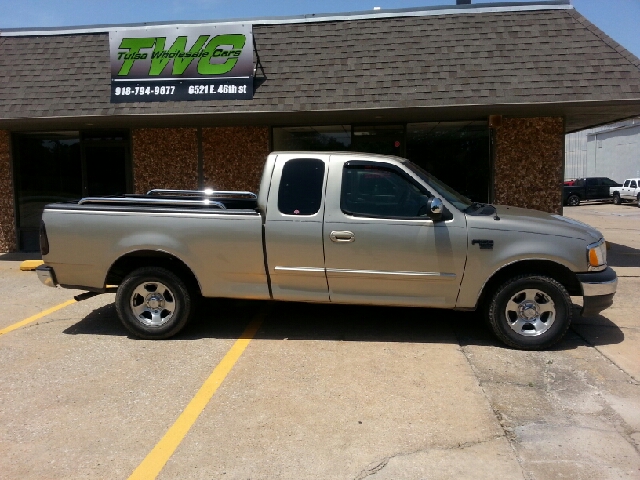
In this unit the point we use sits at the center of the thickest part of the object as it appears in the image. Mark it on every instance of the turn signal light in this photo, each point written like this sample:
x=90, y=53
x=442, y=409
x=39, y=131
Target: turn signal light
x=597, y=254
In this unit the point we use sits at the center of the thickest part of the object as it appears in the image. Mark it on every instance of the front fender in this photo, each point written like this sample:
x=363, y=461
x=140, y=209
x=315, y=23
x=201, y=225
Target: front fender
x=510, y=248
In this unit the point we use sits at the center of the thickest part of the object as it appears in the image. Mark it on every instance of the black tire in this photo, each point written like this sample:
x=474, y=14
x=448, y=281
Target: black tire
x=553, y=295
x=616, y=199
x=573, y=200
x=162, y=312
x=638, y=200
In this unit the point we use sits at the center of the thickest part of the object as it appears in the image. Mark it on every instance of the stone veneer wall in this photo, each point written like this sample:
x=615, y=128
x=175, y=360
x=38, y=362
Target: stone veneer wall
x=233, y=157
x=7, y=212
x=529, y=162
x=165, y=158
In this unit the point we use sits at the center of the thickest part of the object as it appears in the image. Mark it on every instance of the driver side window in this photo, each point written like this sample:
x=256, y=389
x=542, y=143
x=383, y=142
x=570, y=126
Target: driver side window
x=379, y=191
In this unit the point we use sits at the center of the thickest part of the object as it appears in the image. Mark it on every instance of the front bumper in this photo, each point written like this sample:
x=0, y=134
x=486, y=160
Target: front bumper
x=47, y=275
x=598, y=289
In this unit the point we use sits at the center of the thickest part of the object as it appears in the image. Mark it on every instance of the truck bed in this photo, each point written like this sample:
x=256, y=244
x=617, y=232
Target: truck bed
x=222, y=246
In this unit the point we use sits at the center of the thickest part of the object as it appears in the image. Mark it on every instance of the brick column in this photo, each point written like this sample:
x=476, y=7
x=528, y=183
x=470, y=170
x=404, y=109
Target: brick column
x=165, y=158
x=7, y=212
x=528, y=163
x=233, y=157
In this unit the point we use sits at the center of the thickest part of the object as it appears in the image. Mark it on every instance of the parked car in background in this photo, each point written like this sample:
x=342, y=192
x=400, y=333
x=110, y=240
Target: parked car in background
x=628, y=192
x=569, y=182
x=590, y=188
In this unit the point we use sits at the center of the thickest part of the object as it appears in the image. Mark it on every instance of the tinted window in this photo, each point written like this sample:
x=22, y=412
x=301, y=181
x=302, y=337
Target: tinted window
x=608, y=182
x=626, y=183
x=633, y=184
x=380, y=192
x=579, y=183
x=300, y=191
x=591, y=182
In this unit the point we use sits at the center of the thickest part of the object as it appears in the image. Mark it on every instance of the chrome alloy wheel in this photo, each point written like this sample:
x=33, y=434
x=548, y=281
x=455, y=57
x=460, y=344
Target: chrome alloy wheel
x=530, y=312
x=153, y=303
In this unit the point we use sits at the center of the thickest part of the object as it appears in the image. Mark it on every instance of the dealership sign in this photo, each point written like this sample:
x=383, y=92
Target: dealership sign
x=204, y=62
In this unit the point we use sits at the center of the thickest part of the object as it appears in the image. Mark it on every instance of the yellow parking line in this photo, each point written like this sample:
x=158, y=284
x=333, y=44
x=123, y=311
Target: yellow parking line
x=37, y=316
x=158, y=457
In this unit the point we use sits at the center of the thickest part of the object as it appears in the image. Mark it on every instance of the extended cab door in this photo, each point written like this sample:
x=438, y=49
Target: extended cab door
x=624, y=189
x=293, y=228
x=378, y=249
x=630, y=191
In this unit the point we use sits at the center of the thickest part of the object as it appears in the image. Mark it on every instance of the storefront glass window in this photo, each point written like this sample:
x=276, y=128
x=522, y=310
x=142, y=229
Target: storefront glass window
x=457, y=153
x=323, y=138
x=381, y=139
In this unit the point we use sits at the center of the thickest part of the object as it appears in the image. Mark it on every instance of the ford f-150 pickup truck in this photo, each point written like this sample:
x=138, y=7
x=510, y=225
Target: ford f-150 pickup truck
x=343, y=228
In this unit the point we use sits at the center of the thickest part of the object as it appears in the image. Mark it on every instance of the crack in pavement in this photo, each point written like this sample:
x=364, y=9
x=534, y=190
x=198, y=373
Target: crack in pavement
x=507, y=431
x=460, y=446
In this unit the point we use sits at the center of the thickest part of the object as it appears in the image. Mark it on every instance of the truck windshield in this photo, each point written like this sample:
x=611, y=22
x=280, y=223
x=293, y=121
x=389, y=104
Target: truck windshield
x=449, y=194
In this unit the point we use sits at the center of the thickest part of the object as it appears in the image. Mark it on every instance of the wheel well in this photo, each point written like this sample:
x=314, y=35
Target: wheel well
x=558, y=272
x=151, y=258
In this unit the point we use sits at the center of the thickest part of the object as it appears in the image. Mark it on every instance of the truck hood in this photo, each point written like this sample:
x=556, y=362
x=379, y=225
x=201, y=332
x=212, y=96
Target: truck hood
x=533, y=221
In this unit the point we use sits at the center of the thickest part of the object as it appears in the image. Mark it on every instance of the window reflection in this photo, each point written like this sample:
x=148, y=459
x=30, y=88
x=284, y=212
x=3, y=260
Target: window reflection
x=322, y=138
x=49, y=171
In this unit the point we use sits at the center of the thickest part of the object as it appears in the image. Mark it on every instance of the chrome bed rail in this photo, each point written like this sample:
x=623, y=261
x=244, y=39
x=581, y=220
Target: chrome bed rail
x=154, y=201
x=207, y=192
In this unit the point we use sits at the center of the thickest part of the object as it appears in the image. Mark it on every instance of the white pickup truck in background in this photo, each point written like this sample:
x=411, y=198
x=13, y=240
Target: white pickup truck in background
x=628, y=192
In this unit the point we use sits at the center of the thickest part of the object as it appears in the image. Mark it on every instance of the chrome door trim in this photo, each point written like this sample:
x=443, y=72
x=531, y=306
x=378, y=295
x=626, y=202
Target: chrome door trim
x=365, y=272
x=400, y=273
x=300, y=269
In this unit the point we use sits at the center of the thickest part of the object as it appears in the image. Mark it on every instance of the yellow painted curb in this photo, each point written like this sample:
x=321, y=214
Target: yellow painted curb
x=30, y=265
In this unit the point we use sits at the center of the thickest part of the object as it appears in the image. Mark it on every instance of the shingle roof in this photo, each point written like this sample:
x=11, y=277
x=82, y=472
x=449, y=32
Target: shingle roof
x=455, y=60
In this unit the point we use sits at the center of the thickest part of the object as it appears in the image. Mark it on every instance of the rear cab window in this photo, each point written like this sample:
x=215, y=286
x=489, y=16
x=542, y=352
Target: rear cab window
x=300, y=191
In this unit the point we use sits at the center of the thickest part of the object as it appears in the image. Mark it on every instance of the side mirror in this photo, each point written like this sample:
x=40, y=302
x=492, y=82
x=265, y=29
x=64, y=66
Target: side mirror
x=435, y=208
x=432, y=208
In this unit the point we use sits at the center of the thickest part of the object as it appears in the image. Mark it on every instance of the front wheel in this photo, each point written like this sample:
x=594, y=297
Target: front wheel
x=638, y=200
x=573, y=200
x=153, y=303
x=616, y=199
x=530, y=312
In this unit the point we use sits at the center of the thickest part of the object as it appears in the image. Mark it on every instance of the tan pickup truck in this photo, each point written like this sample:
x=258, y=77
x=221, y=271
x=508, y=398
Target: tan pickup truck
x=346, y=228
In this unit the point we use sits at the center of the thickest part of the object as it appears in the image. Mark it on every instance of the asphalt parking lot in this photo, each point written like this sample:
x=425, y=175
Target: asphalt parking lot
x=321, y=391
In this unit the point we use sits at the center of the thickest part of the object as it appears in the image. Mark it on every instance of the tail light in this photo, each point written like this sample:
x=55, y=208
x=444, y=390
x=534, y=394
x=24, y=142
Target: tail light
x=44, y=241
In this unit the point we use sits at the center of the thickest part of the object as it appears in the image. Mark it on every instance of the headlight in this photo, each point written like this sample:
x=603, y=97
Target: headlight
x=597, y=255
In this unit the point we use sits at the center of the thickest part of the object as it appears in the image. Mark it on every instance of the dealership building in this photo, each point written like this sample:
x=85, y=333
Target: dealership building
x=479, y=95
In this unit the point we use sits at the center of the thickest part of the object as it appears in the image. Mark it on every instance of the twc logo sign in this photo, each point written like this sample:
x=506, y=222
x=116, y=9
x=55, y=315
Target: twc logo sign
x=182, y=52
x=205, y=48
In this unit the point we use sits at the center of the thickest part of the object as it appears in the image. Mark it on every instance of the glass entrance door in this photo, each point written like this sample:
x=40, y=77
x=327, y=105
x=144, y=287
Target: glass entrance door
x=61, y=166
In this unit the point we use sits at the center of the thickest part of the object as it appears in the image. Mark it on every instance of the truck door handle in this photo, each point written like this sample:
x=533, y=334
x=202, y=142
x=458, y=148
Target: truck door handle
x=342, y=236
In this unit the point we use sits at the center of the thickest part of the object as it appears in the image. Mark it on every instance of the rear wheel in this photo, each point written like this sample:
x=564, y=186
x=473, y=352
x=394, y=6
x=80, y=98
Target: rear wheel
x=616, y=199
x=530, y=312
x=573, y=200
x=638, y=199
x=153, y=303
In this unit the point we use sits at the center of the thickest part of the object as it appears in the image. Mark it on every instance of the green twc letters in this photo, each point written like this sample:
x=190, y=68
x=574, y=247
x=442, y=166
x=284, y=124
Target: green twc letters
x=181, y=58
